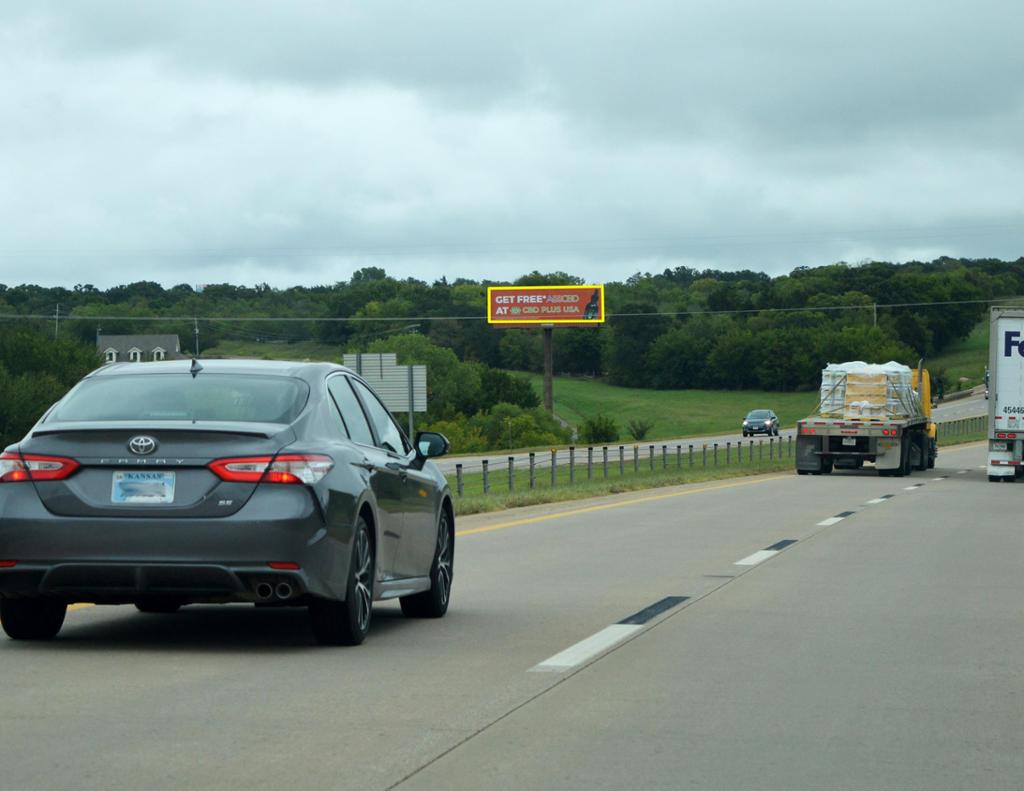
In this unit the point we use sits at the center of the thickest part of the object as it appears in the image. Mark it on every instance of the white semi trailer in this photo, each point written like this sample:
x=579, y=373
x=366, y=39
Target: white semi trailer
x=1006, y=394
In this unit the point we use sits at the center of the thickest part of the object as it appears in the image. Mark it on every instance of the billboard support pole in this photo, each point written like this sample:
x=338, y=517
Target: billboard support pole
x=549, y=366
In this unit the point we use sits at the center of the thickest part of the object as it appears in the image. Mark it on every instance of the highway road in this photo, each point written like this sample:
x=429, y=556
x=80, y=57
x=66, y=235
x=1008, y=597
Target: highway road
x=778, y=632
x=972, y=406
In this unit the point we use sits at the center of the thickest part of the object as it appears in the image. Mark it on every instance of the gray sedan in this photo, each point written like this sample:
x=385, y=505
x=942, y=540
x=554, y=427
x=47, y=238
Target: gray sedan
x=164, y=484
x=761, y=421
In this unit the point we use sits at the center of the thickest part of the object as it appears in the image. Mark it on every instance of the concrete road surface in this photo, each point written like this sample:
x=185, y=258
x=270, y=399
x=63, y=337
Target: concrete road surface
x=973, y=406
x=781, y=632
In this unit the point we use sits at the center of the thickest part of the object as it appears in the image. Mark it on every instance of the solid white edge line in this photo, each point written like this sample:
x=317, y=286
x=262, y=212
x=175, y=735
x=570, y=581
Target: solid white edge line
x=586, y=649
x=831, y=521
x=758, y=557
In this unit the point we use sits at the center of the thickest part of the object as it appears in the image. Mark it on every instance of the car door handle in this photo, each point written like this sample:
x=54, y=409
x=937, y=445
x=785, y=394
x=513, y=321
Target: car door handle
x=366, y=464
x=394, y=466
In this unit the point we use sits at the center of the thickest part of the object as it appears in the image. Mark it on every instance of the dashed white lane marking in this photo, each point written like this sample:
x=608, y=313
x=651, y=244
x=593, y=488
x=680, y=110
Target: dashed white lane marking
x=832, y=520
x=940, y=478
x=911, y=488
x=758, y=557
x=877, y=500
x=962, y=472
x=589, y=648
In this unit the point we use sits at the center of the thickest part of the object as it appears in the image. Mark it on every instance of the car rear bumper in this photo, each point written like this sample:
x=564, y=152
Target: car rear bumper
x=107, y=560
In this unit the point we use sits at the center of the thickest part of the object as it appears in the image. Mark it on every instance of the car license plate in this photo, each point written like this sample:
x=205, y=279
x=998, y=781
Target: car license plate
x=142, y=487
x=849, y=440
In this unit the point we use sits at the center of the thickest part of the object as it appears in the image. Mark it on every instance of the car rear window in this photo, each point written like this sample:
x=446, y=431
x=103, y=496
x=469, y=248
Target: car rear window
x=233, y=397
x=758, y=414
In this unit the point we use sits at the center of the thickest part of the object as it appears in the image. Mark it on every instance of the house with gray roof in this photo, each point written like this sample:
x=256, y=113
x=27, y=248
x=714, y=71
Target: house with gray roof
x=139, y=348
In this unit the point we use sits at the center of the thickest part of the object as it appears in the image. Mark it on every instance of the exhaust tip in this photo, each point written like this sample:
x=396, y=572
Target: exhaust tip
x=264, y=590
x=284, y=590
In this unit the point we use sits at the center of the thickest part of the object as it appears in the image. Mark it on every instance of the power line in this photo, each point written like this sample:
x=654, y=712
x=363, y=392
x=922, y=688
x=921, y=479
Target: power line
x=367, y=319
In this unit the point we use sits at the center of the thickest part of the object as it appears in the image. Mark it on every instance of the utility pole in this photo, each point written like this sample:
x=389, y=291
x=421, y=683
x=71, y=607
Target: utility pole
x=874, y=312
x=56, y=321
x=196, y=332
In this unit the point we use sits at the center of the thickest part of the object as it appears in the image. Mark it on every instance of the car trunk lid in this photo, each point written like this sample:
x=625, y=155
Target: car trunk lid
x=154, y=469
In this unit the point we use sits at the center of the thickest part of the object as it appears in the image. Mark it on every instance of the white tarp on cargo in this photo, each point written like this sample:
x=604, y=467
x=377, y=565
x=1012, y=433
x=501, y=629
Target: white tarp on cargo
x=865, y=390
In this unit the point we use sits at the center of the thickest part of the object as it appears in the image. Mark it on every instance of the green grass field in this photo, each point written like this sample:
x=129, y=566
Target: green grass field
x=675, y=413
x=964, y=359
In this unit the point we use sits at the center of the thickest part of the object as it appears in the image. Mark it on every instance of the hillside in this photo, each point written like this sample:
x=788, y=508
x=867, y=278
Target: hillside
x=675, y=413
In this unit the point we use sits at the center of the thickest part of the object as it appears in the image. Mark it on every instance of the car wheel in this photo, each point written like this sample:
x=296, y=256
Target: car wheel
x=32, y=619
x=434, y=602
x=158, y=605
x=347, y=622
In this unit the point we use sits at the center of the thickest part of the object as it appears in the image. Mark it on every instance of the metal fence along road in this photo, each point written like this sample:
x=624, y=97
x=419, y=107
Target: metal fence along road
x=581, y=465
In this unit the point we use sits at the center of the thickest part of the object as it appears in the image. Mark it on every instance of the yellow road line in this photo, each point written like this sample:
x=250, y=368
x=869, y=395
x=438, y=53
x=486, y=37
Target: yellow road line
x=621, y=504
x=80, y=605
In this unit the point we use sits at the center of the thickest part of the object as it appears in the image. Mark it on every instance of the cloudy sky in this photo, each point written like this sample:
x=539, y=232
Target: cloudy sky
x=202, y=141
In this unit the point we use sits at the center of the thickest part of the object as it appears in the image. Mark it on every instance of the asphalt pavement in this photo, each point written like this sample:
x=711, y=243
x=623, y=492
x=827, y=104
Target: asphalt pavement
x=778, y=632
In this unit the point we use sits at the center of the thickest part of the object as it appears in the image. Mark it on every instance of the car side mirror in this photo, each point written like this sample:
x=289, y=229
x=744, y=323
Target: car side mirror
x=430, y=444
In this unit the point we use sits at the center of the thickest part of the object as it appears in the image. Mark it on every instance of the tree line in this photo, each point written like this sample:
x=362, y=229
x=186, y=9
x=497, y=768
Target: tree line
x=679, y=328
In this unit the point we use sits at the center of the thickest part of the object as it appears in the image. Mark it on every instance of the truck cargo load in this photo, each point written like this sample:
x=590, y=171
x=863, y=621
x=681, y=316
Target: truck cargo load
x=859, y=390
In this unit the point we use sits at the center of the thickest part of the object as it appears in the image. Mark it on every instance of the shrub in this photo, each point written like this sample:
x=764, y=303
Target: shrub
x=638, y=428
x=599, y=428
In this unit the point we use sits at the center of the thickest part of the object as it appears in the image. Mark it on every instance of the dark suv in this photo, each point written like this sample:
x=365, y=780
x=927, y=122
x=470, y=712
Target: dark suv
x=761, y=421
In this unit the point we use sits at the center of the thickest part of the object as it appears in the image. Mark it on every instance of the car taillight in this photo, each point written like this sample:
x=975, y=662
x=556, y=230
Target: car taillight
x=290, y=468
x=15, y=467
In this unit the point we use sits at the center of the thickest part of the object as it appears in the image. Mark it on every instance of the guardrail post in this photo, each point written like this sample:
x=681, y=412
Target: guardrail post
x=650, y=457
x=760, y=451
x=590, y=463
x=704, y=454
x=572, y=464
x=636, y=459
x=458, y=480
x=728, y=452
x=604, y=459
x=679, y=457
x=664, y=457
x=554, y=468
x=771, y=448
x=622, y=461
x=511, y=473
x=691, y=455
x=533, y=470
x=789, y=447
x=487, y=485
x=716, y=454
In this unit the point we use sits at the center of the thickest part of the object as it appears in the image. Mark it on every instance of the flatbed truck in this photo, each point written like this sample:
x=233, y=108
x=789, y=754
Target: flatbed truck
x=897, y=444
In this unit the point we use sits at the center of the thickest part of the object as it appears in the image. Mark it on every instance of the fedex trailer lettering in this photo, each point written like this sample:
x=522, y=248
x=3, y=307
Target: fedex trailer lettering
x=1011, y=340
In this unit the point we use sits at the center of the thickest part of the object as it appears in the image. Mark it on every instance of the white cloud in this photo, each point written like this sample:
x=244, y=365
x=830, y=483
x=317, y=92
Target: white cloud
x=291, y=145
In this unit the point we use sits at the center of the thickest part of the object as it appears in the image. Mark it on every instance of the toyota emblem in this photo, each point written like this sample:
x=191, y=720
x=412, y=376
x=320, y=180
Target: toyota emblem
x=141, y=445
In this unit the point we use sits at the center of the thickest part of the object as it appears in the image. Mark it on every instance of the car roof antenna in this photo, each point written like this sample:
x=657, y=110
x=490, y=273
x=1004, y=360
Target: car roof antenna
x=196, y=368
